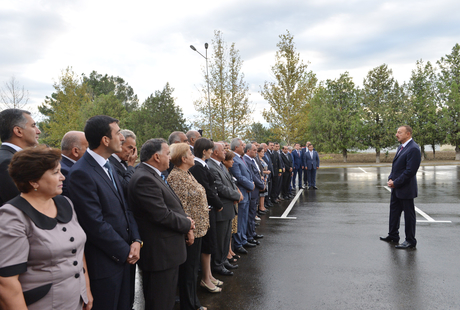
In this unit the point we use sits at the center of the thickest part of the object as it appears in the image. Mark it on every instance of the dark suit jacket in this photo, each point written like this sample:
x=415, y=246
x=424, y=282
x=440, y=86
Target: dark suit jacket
x=297, y=159
x=404, y=170
x=287, y=160
x=104, y=215
x=227, y=191
x=161, y=219
x=311, y=163
x=8, y=189
x=255, y=175
x=65, y=168
x=123, y=175
x=204, y=176
x=268, y=160
x=277, y=163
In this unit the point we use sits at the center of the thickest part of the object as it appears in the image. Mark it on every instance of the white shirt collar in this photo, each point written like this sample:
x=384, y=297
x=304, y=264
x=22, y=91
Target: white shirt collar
x=216, y=161
x=155, y=169
x=13, y=146
x=201, y=161
x=116, y=157
x=72, y=160
x=405, y=143
x=98, y=158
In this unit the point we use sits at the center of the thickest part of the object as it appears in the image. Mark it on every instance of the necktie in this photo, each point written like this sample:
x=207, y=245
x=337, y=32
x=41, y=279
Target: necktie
x=109, y=169
x=242, y=158
x=400, y=150
x=124, y=163
x=164, y=179
x=222, y=167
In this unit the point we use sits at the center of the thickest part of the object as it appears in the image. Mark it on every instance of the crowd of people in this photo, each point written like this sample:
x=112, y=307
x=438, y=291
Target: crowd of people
x=75, y=222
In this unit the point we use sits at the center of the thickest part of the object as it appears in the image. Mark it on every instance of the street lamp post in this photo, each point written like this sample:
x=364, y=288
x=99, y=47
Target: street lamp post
x=207, y=80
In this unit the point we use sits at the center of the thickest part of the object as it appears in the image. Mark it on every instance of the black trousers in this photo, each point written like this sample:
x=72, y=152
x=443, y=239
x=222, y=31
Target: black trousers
x=397, y=206
x=285, y=185
x=275, y=184
x=160, y=288
x=114, y=293
x=188, y=275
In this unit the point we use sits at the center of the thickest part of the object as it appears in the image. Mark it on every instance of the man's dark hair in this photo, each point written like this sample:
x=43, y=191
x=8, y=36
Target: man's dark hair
x=408, y=129
x=150, y=148
x=9, y=119
x=98, y=127
x=202, y=144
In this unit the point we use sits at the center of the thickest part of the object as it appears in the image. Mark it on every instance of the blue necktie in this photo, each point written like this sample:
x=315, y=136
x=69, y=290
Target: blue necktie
x=164, y=179
x=109, y=168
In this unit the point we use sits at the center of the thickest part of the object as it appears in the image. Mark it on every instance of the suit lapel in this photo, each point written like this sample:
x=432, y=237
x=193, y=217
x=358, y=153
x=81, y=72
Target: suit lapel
x=398, y=152
x=161, y=181
x=101, y=172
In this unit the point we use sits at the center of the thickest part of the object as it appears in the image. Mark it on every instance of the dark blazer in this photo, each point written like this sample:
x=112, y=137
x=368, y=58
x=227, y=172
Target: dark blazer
x=297, y=159
x=161, y=219
x=104, y=216
x=255, y=174
x=8, y=189
x=227, y=191
x=124, y=175
x=276, y=161
x=204, y=176
x=287, y=160
x=65, y=168
x=242, y=175
x=311, y=163
x=268, y=160
x=404, y=170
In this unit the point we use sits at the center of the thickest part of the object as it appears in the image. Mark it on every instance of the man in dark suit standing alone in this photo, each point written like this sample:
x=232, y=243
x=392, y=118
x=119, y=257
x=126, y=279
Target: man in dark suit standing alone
x=311, y=160
x=403, y=183
x=17, y=131
x=163, y=225
x=113, y=242
x=73, y=146
x=124, y=161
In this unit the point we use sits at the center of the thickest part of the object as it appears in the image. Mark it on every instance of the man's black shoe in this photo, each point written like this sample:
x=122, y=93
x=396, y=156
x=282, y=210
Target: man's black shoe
x=389, y=239
x=258, y=236
x=315, y=187
x=257, y=223
x=230, y=266
x=241, y=250
x=269, y=204
x=249, y=245
x=253, y=241
x=405, y=245
x=223, y=271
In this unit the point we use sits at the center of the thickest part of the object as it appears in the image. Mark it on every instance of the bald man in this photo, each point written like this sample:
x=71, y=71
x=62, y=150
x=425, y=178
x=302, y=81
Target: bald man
x=73, y=146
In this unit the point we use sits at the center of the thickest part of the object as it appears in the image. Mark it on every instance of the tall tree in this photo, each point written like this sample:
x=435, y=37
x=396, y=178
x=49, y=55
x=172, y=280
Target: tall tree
x=449, y=81
x=334, y=122
x=424, y=108
x=157, y=117
x=12, y=95
x=291, y=91
x=104, y=85
x=258, y=132
x=62, y=108
x=380, y=109
x=230, y=109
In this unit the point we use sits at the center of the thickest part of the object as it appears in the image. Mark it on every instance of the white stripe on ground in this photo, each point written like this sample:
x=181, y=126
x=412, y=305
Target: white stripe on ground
x=428, y=218
x=289, y=208
x=362, y=170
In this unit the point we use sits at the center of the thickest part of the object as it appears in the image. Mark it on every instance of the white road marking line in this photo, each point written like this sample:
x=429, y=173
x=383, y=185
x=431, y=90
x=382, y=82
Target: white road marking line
x=289, y=208
x=362, y=170
x=428, y=218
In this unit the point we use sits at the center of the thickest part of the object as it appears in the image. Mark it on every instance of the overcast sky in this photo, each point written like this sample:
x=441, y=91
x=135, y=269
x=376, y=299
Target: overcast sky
x=147, y=42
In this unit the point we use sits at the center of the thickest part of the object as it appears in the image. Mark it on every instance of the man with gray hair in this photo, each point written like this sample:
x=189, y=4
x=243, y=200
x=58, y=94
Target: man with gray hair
x=73, y=146
x=177, y=137
x=192, y=136
x=124, y=161
x=17, y=131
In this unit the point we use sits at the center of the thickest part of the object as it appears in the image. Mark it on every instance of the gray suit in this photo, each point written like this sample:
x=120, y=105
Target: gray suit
x=228, y=194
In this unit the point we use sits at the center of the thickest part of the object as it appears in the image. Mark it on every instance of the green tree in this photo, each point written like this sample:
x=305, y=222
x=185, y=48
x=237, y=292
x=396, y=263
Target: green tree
x=230, y=109
x=258, y=132
x=105, y=105
x=290, y=93
x=62, y=108
x=157, y=117
x=381, y=109
x=449, y=80
x=104, y=85
x=334, y=122
x=424, y=108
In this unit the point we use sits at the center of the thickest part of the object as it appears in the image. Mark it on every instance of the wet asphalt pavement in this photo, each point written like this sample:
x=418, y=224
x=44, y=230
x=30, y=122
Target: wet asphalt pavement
x=330, y=256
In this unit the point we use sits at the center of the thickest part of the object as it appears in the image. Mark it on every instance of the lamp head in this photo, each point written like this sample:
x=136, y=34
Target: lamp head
x=206, y=45
x=193, y=47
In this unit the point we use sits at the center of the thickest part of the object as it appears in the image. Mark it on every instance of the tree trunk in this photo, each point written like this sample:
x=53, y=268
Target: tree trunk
x=434, y=151
x=422, y=149
x=344, y=154
x=377, y=156
x=457, y=153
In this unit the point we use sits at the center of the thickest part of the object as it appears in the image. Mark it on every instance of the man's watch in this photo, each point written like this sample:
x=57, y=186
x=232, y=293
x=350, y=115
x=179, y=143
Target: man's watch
x=140, y=241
